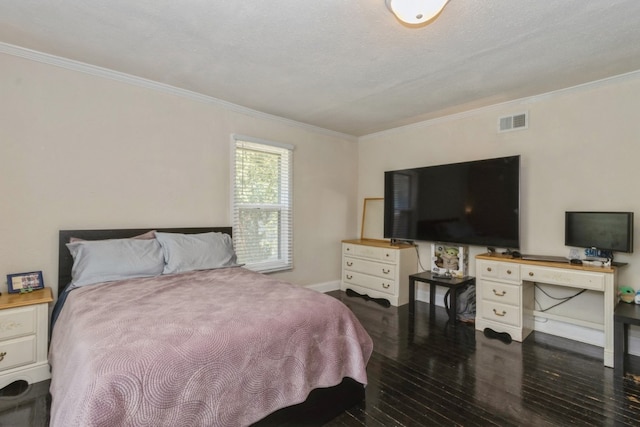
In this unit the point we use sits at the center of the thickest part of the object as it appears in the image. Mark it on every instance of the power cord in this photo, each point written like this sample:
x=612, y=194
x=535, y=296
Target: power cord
x=561, y=300
x=419, y=260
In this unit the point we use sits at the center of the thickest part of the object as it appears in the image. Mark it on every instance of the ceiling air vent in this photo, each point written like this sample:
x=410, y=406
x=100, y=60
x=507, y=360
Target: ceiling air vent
x=515, y=122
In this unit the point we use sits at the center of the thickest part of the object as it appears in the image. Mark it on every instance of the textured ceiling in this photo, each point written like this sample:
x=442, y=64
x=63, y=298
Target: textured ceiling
x=347, y=66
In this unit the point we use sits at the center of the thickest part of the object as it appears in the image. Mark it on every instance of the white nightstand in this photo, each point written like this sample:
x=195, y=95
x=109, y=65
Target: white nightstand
x=24, y=335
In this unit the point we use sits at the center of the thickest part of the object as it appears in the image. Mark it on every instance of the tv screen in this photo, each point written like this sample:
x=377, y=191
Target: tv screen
x=608, y=231
x=472, y=203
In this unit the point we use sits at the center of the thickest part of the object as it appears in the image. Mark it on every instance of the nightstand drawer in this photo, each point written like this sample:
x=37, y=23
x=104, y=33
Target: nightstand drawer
x=17, y=352
x=17, y=322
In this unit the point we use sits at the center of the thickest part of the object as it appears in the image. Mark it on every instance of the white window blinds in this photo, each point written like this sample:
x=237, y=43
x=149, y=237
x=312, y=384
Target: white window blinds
x=262, y=204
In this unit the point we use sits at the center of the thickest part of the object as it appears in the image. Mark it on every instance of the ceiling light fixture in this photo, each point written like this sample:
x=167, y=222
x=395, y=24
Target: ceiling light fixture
x=416, y=12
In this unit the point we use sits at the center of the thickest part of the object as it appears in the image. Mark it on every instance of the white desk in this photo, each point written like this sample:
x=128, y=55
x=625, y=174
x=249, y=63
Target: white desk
x=505, y=293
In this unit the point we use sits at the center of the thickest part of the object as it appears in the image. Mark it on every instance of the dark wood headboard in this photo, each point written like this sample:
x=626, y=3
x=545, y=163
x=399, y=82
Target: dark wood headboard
x=65, y=260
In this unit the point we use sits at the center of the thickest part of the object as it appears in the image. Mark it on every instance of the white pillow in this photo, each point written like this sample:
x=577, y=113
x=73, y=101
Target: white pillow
x=188, y=252
x=96, y=261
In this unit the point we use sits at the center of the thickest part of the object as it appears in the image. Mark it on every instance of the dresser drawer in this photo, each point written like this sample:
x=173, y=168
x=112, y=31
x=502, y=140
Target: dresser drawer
x=371, y=282
x=501, y=292
x=564, y=277
x=373, y=252
x=370, y=267
x=502, y=313
x=17, y=352
x=17, y=322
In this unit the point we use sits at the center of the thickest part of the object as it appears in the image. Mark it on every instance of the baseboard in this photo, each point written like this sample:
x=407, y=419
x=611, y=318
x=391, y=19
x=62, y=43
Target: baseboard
x=567, y=330
x=325, y=287
x=554, y=327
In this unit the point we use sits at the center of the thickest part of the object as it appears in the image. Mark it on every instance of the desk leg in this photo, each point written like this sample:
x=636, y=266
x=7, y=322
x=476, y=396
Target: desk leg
x=412, y=295
x=412, y=306
x=453, y=305
x=432, y=300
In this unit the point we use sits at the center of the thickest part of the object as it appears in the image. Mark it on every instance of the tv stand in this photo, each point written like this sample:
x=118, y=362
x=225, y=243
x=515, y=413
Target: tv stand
x=505, y=296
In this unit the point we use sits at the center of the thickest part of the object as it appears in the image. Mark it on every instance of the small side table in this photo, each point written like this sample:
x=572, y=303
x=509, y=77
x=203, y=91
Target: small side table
x=624, y=315
x=453, y=283
x=24, y=334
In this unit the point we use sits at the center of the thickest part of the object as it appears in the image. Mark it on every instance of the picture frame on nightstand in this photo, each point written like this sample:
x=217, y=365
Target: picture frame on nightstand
x=24, y=282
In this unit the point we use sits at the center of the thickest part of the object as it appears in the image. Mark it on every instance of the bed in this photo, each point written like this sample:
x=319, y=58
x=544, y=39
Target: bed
x=211, y=346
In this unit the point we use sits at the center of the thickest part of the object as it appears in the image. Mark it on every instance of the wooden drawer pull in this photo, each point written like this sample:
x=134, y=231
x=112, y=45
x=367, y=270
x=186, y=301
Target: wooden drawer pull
x=508, y=271
x=386, y=285
x=386, y=271
x=501, y=294
x=349, y=263
x=2, y=355
x=531, y=273
x=489, y=269
x=499, y=314
x=349, y=276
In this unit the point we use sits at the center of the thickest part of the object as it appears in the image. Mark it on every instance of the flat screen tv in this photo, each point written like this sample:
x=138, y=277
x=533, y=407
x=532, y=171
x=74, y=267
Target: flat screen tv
x=606, y=231
x=469, y=203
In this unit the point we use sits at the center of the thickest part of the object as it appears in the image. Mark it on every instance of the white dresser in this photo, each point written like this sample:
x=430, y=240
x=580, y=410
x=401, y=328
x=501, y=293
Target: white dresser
x=378, y=269
x=24, y=335
x=505, y=299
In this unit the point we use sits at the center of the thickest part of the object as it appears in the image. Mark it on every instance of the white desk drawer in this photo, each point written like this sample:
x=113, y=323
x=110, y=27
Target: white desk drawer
x=501, y=292
x=499, y=270
x=17, y=322
x=502, y=313
x=387, y=271
x=564, y=277
x=17, y=352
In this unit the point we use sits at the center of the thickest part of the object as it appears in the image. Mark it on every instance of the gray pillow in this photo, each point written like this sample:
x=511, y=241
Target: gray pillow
x=96, y=261
x=188, y=252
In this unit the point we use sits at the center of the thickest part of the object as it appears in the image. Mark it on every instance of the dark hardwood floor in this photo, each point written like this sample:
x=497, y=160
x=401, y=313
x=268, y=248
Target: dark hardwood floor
x=447, y=375
x=452, y=375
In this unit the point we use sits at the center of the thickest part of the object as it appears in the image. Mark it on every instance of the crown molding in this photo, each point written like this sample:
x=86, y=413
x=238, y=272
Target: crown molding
x=106, y=73
x=509, y=104
x=153, y=85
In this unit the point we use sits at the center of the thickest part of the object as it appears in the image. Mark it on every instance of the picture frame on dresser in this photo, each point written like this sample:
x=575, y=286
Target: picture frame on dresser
x=373, y=219
x=24, y=282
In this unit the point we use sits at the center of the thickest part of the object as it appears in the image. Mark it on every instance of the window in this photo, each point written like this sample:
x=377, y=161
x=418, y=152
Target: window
x=262, y=204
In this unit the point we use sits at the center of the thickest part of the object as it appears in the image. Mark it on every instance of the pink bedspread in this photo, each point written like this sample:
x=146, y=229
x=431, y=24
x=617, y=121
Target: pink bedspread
x=210, y=348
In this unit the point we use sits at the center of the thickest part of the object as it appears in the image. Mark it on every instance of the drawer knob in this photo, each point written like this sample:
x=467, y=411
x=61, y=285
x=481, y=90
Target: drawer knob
x=2, y=355
x=349, y=276
x=488, y=268
x=348, y=249
x=499, y=314
x=386, y=285
x=531, y=273
x=387, y=255
x=499, y=294
x=386, y=271
x=508, y=271
x=349, y=263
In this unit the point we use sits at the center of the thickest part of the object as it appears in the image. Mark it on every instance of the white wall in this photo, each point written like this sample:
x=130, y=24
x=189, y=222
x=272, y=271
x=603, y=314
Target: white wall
x=83, y=151
x=581, y=152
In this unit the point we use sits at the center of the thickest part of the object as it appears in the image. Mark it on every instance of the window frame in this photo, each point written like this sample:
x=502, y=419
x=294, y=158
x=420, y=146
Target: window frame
x=284, y=259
